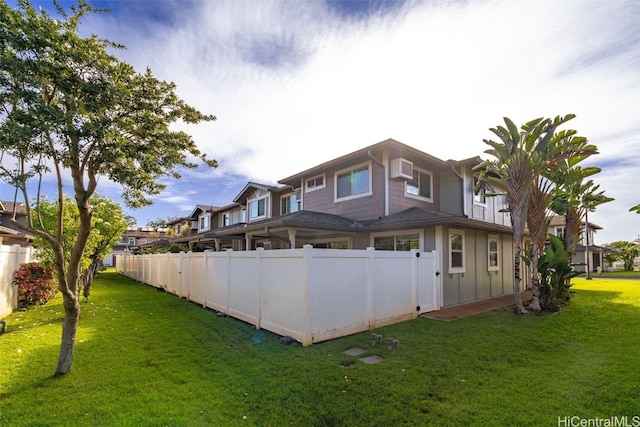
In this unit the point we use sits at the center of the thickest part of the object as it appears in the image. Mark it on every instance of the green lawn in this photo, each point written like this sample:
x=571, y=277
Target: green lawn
x=145, y=358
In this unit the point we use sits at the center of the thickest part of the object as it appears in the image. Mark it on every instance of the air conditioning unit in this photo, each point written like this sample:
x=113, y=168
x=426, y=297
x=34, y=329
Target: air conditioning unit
x=401, y=168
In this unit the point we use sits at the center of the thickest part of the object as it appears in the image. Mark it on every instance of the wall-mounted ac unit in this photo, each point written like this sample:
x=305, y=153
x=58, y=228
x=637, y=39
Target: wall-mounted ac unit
x=401, y=168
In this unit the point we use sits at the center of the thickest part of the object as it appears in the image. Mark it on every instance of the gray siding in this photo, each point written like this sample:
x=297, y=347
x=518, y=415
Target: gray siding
x=477, y=282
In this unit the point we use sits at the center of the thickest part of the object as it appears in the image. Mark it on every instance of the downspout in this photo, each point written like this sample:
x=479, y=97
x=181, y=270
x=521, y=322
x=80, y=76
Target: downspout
x=384, y=182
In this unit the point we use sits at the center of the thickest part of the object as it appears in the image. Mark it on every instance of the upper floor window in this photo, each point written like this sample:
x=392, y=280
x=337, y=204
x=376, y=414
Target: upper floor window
x=132, y=241
x=315, y=183
x=421, y=186
x=243, y=216
x=493, y=249
x=456, y=251
x=288, y=204
x=204, y=222
x=258, y=208
x=560, y=232
x=479, y=192
x=352, y=183
x=226, y=219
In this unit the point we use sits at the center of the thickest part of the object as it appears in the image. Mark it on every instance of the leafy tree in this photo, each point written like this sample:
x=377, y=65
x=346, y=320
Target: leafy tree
x=627, y=252
x=519, y=157
x=160, y=222
x=70, y=108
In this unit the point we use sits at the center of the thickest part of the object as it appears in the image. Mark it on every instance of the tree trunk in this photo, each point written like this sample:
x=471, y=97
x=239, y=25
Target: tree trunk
x=535, y=280
x=87, y=279
x=69, y=328
x=516, y=282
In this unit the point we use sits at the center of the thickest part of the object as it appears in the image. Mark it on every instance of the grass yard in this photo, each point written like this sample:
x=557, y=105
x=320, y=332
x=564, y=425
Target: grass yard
x=145, y=358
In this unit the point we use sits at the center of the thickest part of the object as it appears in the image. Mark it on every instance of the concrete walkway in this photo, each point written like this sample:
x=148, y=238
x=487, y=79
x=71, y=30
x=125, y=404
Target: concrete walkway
x=466, y=310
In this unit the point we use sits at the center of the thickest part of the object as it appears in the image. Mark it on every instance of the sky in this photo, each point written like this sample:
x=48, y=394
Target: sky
x=296, y=83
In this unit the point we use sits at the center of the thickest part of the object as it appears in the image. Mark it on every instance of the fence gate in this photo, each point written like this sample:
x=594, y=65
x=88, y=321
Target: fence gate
x=429, y=282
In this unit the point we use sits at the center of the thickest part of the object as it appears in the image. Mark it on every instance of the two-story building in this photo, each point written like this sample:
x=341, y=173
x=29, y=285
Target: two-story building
x=388, y=196
x=586, y=251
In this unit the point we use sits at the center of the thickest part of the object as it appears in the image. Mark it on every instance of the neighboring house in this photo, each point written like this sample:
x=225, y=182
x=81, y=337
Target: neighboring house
x=9, y=233
x=135, y=240
x=585, y=246
x=389, y=196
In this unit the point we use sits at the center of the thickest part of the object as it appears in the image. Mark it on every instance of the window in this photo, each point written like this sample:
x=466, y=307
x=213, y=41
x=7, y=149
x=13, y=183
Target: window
x=243, y=216
x=226, y=219
x=390, y=241
x=420, y=186
x=493, y=249
x=132, y=241
x=560, y=232
x=288, y=204
x=315, y=183
x=479, y=192
x=353, y=183
x=257, y=208
x=456, y=251
x=204, y=222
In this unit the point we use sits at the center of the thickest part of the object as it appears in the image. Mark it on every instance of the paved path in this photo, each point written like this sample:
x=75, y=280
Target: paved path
x=466, y=310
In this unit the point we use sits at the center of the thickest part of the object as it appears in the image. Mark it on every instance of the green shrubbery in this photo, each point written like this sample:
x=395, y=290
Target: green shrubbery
x=35, y=284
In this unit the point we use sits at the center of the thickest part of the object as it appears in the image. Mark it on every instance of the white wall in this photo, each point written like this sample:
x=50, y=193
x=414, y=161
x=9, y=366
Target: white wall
x=309, y=294
x=10, y=259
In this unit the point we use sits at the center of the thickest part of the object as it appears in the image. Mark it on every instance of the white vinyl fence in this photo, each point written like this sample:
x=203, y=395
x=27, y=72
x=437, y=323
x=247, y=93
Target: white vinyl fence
x=308, y=294
x=10, y=259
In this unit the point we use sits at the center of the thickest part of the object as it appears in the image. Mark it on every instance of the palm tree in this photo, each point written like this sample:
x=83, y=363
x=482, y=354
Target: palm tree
x=520, y=157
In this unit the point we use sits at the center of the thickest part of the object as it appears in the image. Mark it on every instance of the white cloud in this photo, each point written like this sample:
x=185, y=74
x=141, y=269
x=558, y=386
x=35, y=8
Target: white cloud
x=292, y=85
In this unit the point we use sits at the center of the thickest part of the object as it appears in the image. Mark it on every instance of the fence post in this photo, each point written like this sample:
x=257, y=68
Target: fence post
x=259, y=252
x=205, y=277
x=415, y=254
x=229, y=253
x=371, y=321
x=307, y=330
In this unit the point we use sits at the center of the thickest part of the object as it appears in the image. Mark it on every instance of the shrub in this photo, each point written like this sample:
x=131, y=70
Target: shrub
x=35, y=284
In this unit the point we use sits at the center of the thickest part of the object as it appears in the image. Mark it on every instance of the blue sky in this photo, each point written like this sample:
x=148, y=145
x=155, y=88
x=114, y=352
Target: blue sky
x=297, y=83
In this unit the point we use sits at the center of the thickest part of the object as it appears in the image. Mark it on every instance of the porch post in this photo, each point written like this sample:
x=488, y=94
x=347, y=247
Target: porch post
x=292, y=238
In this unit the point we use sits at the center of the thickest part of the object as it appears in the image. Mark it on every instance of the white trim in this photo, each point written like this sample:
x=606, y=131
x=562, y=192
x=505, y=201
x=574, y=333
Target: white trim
x=287, y=196
x=206, y=226
x=308, y=189
x=418, y=231
x=351, y=169
x=452, y=269
x=490, y=267
x=266, y=208
x=418, y=197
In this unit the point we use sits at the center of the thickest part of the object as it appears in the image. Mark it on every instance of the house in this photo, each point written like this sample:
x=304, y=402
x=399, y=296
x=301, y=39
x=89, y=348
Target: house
x=9, y=233
x=387, y=196
x=586, y=254
x=135, y=240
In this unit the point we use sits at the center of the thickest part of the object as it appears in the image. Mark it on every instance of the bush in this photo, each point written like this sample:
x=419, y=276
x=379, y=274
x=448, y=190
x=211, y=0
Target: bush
x=35, y=284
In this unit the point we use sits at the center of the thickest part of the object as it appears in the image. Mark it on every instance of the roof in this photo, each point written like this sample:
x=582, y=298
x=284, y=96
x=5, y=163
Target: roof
x=387, y=143
x=257, y=186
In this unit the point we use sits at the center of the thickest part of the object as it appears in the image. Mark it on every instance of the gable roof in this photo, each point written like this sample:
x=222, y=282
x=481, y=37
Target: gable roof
x=255, y=186
x=362, y=153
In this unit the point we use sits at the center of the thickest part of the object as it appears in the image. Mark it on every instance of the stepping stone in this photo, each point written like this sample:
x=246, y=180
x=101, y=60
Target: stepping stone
x=370, y=360
x=356, y=351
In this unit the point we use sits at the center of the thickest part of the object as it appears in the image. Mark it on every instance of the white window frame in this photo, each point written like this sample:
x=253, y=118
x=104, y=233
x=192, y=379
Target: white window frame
x=369, y=192
x=418, y=197
x=226, y=219
x=452, y=269
x=490, y=238
x=257, y=200
x=559, y=229
x=207, y=225
x=417, y=231
x=286, y=197
x=131, y=241
x=482, y=193
x=309, y=189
